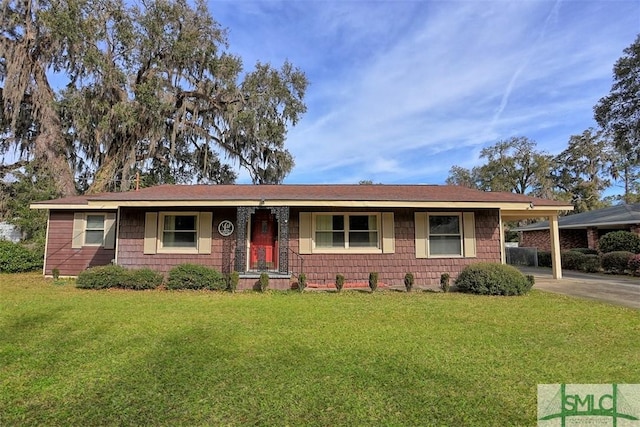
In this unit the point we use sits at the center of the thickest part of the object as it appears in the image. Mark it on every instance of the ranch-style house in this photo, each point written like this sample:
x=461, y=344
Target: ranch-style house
x=321, y=230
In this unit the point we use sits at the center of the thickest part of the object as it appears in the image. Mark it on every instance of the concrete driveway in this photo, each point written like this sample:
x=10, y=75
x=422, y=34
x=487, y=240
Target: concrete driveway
x=619, y=290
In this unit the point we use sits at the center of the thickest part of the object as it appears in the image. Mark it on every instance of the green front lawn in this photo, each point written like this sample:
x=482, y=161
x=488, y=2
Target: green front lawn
x=75, y=357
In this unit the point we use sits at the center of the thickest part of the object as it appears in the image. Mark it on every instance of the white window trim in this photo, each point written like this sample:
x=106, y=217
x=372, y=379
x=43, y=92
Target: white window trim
x=174, y=250
x=347, y=248
x=460, y=229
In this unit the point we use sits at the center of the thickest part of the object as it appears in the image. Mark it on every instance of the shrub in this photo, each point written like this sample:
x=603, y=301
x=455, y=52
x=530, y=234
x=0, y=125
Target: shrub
x=373, y=281
x=141, y=279
x=339, y=282
x=302, y=282
x=544, y=259
x=115, y=276
x=634, y=265
x=531, y=280
x=572, y=260
x=620, y=241
x=590, y=263
x=193, y=276
x=408, y=281
x=445, y=280
x=234, y=278
x=17, y=258
x=103, y=277
x=586, y=251
x=493, y=279
x=263, y=282
x=616, y=262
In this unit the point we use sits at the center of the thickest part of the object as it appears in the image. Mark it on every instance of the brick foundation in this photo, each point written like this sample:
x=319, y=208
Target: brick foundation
x=278, y=283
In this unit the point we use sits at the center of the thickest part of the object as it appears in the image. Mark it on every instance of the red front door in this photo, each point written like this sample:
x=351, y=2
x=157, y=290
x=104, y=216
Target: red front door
x=264, y=243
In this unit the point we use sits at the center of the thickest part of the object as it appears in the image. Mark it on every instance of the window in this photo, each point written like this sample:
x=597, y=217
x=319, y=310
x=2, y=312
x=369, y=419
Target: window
x=94, y=230
x=366, y=233
x=445, y=236
x=346, y=231
x=179, y=231
x=330, y=231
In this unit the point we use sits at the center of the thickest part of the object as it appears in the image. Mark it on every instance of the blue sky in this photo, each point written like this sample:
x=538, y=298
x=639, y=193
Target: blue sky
x=400, y=91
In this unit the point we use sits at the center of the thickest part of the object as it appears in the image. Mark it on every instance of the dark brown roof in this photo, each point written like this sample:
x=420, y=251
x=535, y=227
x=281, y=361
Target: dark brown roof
x=312, y=193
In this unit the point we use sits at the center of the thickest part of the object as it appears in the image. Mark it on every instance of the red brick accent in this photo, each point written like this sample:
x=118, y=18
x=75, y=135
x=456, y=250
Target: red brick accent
x=592, y=237
x=569, y=238
x=541, y=239
x=347, y=285
x=278, y=283
x=61, y=255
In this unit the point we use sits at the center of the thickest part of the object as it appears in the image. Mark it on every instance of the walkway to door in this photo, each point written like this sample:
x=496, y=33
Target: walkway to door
x=618, y=290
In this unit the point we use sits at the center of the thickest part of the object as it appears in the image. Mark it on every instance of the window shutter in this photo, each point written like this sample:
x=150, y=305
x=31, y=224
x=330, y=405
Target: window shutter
x=77, y=239
x=150, y=232
x=388, y=233
x=204, y=232
x=110, y=230
x=421, y=234
x=305, y=239
x=469, y=223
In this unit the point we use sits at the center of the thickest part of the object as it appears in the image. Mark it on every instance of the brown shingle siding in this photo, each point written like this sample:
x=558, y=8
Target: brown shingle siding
x=131, y=240
x=60, y=254
x=322, y=268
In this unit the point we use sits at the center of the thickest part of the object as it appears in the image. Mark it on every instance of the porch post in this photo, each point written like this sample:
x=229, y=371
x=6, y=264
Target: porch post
x=556, y=263
x=503, y=255
x=242, y=219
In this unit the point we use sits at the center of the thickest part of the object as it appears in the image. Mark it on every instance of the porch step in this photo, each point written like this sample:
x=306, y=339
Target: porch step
x=280, y=281
x=272, y=275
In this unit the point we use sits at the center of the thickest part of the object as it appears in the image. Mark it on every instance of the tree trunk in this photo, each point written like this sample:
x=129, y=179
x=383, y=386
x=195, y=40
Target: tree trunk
x=104, y=175
x=50, y=147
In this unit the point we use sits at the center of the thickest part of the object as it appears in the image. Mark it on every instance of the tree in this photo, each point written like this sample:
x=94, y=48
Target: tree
x=512, y=165
x=28, y=49
x=152, y=90
x=462, y=177
x=618, y=113
x=19, y=188
x=579, y=170
x=626, y=172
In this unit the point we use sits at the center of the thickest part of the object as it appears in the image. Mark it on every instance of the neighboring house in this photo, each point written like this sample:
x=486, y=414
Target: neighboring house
x=582, y=230
x=9, y=232
x=321, y=230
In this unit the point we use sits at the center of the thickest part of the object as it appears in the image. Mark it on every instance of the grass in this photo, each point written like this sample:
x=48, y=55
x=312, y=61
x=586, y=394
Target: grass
x=76, y=357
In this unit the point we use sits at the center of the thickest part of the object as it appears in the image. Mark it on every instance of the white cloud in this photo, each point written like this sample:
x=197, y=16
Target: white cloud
x=401, y=91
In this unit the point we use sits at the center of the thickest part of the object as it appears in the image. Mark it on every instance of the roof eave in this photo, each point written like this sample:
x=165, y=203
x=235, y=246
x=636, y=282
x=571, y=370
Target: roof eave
x=519, y=208
x=61, y=206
